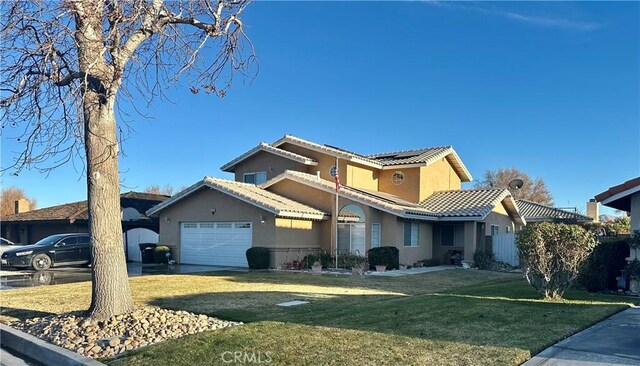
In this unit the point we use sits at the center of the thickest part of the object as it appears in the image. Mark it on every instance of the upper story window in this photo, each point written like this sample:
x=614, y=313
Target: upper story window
x=397, y=178
x=255, y=178
x=495, y=230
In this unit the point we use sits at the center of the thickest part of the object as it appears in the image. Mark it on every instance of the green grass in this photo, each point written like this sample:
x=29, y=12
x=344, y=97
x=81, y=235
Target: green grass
x=443, y=318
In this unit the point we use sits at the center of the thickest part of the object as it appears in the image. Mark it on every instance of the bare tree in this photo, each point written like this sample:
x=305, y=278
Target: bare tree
x=533, y=189
x=167, y=190
x=67, y=67
x=8, y=198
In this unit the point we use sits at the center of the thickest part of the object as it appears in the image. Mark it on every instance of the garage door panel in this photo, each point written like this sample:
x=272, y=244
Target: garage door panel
x=211, y=243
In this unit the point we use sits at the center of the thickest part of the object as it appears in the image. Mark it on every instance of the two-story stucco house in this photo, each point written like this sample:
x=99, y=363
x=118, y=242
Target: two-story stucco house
x=284, y=198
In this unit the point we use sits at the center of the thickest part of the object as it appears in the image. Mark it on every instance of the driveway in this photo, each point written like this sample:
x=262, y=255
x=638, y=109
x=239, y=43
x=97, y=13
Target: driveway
x=614, y=341
x=10, y=279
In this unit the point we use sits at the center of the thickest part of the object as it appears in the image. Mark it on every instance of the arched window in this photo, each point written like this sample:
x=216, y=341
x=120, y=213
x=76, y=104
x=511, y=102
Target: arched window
x=130, y=214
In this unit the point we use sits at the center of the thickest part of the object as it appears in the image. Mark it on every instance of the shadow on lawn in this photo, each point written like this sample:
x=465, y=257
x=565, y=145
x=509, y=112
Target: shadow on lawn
x=503, y=313
x=23, y=314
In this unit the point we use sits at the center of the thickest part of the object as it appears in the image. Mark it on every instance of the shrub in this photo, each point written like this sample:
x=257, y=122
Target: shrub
x=633, y=269
x=258, y=258
x=484, y=260
x=551, y=254
x=352, y=260
x=160, y=254
x=323, y=257
x=431, y=262
x=389, y=256
x=599, y=271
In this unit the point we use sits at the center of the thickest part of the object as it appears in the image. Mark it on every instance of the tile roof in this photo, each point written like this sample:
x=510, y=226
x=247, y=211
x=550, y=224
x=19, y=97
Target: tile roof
x=533, y=211
x=390, y=160
x=263, y=146
x=252, y=194
x=619, y=196
x=466, y=202
x=384, y=202
x=79, y=210
x=447, y=205
x=331, y=150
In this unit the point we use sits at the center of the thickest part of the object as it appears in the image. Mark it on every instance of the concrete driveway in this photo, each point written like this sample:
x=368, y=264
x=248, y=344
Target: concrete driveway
x=10, y=279
x=614, y=341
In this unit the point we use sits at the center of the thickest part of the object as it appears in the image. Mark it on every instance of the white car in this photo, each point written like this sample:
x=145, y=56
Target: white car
x=6, y=244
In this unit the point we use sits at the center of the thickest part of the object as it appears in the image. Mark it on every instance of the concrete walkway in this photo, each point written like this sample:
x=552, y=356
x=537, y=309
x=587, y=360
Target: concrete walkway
x=614, y=341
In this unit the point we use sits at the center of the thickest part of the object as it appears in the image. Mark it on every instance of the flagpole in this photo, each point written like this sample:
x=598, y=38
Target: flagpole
x=337, y=178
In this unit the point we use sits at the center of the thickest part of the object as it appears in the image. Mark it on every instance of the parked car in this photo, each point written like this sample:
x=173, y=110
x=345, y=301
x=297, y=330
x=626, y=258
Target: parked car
x=7, y=244
x=52, y=251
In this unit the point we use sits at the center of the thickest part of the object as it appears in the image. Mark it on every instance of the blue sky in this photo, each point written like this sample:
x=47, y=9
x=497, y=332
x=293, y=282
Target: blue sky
x=550, y=88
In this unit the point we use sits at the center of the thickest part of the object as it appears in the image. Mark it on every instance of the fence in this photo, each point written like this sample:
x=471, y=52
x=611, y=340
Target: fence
x=504, y=248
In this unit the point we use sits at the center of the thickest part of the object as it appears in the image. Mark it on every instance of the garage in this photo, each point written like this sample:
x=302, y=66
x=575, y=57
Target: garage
x=215, y=243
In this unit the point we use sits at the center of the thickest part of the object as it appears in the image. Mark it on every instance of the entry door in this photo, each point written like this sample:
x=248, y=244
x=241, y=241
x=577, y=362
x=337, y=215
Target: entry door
x=215, y=243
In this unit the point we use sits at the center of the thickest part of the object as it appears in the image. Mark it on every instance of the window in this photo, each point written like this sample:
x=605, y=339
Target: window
x=190, y=226
x=223, y=225
x=243, y=225
x=84, y=240
x=507, y=229
x=397, y=178
x=411, y=230
x=255, y=178
x=375, y=235
x=452, y=235
x=495, y=230
x=208, y=225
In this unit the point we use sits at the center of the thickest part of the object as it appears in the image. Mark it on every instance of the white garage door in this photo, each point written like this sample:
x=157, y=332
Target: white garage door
x=215, y=243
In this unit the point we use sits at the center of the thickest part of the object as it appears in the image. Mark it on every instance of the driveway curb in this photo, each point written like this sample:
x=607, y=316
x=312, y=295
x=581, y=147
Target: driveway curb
x=41, y=351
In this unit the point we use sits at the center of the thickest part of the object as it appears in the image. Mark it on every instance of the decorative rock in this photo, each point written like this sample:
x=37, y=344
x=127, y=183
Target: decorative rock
x=118, y=334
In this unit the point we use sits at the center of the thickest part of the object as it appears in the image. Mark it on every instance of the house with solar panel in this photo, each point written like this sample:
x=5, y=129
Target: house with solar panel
x=296, y=196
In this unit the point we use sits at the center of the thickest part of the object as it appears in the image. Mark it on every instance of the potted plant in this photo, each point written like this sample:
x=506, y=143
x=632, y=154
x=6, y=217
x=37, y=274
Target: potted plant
x=381, y=267
x=403, y=266
x=316, y=267
x=633, y=271
x=358, y=264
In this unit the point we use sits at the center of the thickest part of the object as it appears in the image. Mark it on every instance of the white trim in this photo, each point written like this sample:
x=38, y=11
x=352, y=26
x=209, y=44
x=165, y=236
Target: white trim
x=620, y=195
x=375, y=224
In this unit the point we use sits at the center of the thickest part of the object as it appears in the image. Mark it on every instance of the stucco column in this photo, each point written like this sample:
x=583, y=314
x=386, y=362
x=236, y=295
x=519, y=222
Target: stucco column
x=635, y=223
x=469, y=241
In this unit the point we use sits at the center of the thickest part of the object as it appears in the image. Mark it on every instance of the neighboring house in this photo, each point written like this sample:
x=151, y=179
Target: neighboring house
x=284, y=194
x=536, y=212
x=27, y=227
x=624, y=197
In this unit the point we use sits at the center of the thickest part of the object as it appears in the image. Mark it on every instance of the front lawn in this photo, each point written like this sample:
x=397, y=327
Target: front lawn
x=452, y=317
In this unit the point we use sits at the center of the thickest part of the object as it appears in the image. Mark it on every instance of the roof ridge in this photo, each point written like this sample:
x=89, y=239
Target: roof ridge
x=409, y=150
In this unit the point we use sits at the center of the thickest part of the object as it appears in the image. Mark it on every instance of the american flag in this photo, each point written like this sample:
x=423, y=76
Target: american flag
x=337, y=176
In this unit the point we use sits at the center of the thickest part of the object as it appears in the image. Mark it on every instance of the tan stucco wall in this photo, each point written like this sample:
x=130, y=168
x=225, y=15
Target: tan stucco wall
x=272, y=164
x=439, y=176
x=500, y=217
x=296, y=238
x=360, y=177
x=391, y=228
x=635, y=211
x=440, y=252
x=409, y=190
x=197, y=207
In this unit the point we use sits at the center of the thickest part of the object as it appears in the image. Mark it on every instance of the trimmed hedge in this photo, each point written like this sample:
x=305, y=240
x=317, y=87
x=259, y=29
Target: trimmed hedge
x=160, y=254
x=389, y=256
x=258, y=258
x=484, y=260
x=603, y=265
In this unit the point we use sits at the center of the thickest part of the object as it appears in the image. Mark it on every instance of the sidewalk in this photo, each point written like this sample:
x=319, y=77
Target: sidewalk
x=614, y=341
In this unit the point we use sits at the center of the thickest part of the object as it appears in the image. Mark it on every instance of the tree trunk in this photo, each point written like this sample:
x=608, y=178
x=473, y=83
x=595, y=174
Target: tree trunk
x=110, y=292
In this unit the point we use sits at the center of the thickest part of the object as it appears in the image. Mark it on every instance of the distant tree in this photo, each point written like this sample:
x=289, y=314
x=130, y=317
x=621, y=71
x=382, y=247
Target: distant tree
x=167, y=190
x=67, y=67
x=532, y=190
x=9, y=196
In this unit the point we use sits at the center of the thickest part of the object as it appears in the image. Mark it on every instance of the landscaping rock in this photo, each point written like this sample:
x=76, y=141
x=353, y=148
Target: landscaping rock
x=122, y=333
